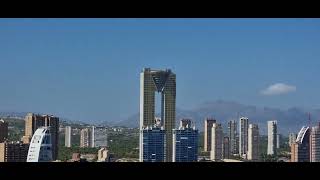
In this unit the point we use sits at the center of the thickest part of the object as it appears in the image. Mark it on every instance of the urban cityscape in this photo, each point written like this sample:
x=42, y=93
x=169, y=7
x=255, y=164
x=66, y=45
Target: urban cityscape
x=220, y=131
x=159, y=139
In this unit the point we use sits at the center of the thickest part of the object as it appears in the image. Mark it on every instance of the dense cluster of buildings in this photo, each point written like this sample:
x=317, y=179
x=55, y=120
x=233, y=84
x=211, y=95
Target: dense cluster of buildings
x=41, y=139
x=94, y=137
x=242, y=142
x=160, y=140
x=306, y=146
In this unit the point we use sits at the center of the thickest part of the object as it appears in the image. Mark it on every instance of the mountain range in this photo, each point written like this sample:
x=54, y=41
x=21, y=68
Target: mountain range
x=289, y=120
x=22, y=115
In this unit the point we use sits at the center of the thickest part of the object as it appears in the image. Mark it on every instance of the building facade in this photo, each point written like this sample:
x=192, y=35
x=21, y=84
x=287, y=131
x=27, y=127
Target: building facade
x=35, y=121
x=13, y=152
x=292, y=138
x=185, y=143
x=3, y=130
x=226, y=148
x=153, y=147
x=243, y=136
x=67, y=139
x=164, y=82
x=208, y=122
x=253, y=142
x=41, y=149
x=232, y=132
x=103, y=155
x=100, y=137
x=185, y=123
x=272, y=137
x=315, y=144
x=300, y=150
x=216, y=142
x=86, y=137
x=93, y=129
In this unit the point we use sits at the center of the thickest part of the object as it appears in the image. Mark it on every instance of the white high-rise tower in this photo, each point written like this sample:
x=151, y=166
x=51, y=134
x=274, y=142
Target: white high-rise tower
x=243, y=136
x=272, y=137
x=67, y=140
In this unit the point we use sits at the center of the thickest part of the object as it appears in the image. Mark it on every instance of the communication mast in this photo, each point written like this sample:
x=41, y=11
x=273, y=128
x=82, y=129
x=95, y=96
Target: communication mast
x=309, y=120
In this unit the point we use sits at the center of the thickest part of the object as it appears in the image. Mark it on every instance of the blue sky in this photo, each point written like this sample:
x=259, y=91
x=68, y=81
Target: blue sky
x=88, y=69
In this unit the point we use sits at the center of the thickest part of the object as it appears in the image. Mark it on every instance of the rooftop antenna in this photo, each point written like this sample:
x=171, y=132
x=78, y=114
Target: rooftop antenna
x=309, y=117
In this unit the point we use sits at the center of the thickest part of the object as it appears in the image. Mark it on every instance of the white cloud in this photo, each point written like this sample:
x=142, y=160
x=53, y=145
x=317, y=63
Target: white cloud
x=278, y=88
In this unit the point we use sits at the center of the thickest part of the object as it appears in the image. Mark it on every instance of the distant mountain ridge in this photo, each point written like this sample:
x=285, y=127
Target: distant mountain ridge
x=290, y=120
x=13, y=114
x=22, y=115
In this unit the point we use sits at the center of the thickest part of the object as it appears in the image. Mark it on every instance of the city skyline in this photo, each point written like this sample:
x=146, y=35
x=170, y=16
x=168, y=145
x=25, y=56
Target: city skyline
x=81, y=69
x=83, y=66
x=185, y=139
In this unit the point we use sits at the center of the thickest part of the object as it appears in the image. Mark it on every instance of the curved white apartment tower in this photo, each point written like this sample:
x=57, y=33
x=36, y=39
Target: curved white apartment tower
x=300, y=150
x=40, y=149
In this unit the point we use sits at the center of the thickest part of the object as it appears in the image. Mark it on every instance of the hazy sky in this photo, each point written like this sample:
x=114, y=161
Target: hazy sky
x=88, y=69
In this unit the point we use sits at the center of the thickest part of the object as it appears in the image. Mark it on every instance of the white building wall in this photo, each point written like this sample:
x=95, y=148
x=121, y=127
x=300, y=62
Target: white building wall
x=272, y=137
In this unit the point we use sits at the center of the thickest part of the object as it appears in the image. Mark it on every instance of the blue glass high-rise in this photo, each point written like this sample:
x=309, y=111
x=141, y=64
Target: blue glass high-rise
x=153, y=144
x=185, y=143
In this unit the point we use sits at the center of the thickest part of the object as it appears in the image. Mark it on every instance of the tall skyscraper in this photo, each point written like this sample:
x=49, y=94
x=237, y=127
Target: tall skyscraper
x=216, y=142
x=253, y=142
x=153, y=144
x=300, y=150
x=85, y=137
x=40, y=149
x=315, y=144
x=272, y=137
x=67, y=137
x=226, y=148
x=185, y=142
x=208, y=122
x=35, y=121
x=278, y=141
x=232, y=132
x=13, y=152
x=92, y=137
x=163, y=82
x=292, y=138
x=3, y=130
x=243, y=136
